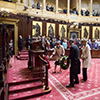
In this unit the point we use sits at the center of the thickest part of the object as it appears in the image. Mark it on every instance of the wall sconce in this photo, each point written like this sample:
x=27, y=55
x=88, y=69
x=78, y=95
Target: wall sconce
x=4, y=12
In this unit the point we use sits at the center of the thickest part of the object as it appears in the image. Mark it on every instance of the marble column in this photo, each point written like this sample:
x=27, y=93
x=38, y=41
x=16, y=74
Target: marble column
x=91, y=9
x=24, y=2
x=68, y=7
x=77, y=5
x=79, y=8
x=18, y=1
x=30, y=3
x=44, y=5
x=57, y=6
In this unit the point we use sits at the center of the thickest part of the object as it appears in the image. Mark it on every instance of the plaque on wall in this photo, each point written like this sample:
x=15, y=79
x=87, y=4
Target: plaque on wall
x=50, y=29
x=96, y=32
x=62, y=30
x=85, y=32
x=36, y=28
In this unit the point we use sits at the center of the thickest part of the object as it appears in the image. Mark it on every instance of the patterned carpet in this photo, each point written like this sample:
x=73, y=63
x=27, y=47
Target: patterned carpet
x=90, y=90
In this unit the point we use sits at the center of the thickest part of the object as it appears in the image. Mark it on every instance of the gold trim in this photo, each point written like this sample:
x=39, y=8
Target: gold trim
x=73, y=30
x=15, y=23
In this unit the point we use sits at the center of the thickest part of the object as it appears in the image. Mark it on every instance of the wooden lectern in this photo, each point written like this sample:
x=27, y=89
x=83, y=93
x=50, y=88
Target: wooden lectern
x=36, y=63
x=35, y=49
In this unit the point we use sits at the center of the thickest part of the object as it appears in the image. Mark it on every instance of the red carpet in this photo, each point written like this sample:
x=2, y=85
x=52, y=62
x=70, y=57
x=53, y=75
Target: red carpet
x=90, y=90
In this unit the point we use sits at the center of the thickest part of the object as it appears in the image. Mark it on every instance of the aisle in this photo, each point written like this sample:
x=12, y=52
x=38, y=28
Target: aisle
x=90, y=90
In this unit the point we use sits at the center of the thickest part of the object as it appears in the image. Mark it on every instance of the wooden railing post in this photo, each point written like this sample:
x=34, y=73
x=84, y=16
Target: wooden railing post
x=46, y=84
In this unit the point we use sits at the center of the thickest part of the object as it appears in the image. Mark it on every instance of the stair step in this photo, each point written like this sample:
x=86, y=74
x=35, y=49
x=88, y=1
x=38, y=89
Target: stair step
x=26, y=95
x=24, y=81
x=24, y=56
x=23, y=53
x=24, y=50
x=24, y=87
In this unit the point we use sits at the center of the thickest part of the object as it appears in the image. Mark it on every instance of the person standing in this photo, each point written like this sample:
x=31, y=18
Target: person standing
x=59, y=51
x=47, y=7
x=51, y=8
x=38, y=5
x=95, y=45
x=75, y=64
x=29, y=40
x=64, y=44
x=20, y=43
x=86, y=58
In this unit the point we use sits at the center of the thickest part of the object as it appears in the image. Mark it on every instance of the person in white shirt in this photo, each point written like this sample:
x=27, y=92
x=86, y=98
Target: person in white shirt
x=59, y=52
x=86, y=58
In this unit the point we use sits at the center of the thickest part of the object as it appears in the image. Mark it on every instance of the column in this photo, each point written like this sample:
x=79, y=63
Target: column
x=24, y=2
x=18, y=1
x=29, y=3
x=91, y=3
x=68, y=7
x=79, y=8
x=44, y=5
x=56, y=6
x=77, y=5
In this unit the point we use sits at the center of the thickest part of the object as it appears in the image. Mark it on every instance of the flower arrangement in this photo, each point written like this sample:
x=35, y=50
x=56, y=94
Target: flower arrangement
x=64, y=62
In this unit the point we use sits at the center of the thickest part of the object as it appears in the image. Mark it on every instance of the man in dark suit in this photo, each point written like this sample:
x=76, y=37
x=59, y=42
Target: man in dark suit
x=47, y=7
x=29, y=40
x=51, y=8
x=38, y=5
x=20, y=43
x=75, y=64
x=65, y=11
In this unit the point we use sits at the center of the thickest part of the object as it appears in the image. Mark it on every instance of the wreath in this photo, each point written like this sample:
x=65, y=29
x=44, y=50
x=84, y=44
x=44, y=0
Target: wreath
x=64, y=62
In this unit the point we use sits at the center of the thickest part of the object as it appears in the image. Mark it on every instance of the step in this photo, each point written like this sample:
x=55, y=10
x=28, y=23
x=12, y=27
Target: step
x=23, y=53
x=24, y=87
x=24, y=50
x=26, y=95
x=24, y=81
x=23, y=56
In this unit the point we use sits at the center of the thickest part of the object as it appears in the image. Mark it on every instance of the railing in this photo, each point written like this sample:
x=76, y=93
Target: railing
x=46, y=72
x=6, y=92
x=33, y=12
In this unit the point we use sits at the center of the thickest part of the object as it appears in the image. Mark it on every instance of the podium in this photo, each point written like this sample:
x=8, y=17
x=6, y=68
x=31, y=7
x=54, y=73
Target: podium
x=34, y=57
x=38, y=65
x=36, y=45
x=35, y=50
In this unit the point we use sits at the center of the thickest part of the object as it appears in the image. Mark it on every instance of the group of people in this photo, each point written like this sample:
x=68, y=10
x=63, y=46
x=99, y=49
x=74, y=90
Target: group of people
x=86, y=13
x=21, y=42
x=75, y=60
x=50, y=42
x=48, y=8
x=59, y=46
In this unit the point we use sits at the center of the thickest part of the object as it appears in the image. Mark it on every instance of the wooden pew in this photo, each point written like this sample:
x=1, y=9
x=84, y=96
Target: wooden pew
x=94, y=53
